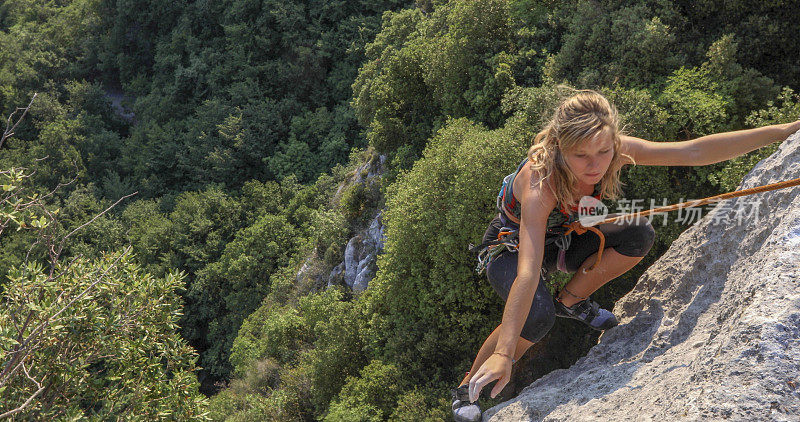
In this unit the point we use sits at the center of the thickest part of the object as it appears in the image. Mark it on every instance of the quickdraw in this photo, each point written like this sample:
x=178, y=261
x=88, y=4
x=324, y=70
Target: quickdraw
x=507, y=240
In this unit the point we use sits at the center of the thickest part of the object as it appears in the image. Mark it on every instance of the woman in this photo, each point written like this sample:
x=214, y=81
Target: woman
x=580, y=152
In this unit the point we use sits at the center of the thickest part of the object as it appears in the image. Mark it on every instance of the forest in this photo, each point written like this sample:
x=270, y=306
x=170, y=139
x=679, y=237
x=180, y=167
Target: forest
x=181, y=181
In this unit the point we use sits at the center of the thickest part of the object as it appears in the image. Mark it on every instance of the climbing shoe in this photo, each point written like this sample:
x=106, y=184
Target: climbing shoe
x=588, y=312
x=463, y=410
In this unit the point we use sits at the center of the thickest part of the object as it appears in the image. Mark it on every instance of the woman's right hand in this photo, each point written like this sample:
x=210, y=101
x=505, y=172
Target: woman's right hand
x=497, y=367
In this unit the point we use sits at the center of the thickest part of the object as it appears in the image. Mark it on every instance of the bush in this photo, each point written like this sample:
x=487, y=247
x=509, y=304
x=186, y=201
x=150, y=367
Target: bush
x=427, y=309
x=369, y=397
x=105, y=343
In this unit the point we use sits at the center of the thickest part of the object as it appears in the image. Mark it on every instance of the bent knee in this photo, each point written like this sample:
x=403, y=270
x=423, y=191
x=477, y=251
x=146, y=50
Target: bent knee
x=639, y=238
x=538, y=324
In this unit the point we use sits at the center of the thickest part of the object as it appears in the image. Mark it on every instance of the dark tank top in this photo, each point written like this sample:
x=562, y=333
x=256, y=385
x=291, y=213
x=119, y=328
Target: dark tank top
x=507, y=203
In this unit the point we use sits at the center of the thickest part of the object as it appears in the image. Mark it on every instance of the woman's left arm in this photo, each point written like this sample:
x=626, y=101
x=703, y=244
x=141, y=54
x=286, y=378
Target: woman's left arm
x=705, y=150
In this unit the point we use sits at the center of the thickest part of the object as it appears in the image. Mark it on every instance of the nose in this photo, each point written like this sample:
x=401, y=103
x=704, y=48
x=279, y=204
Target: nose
x=593, y=162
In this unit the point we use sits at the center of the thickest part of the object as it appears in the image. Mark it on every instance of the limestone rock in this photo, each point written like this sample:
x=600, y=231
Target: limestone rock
x=117, y=97
x=361, y=254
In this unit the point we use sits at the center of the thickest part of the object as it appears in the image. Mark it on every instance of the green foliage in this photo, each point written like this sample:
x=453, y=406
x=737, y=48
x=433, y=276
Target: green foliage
x=765, y=31
x=238, y=90
x=102, y=337
x=150, y=233
x=787, y=111
x=229, y=406
x=715, y=97
x=72, y=137
x=262, y=198
x=318, y=140
x=369, y=397
x=271, y=332
x=317, y=345
x=747, y=88
x=420, y=69
x=606, y=44
x=694, y=102
x=390, y=95
x=416, y=405
x=229, y=289
x=21, y=209
x=734, y=170
x=338, y=349
x=207, y=221
x=15, y=210
x=105, y=233
x=42, y=44
x=357, y=199
x=236, y=251
x=330, y=234
x=425, y=305
x=640, y=114
x=378, y=393
x=534, y=104
x=126, y=46
x=465, y=64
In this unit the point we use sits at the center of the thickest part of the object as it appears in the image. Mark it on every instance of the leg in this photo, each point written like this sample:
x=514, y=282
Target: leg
x=626, y=244
x=583, y=283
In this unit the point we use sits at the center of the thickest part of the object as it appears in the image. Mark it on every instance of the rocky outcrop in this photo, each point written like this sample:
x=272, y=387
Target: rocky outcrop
x=359, y=263
x=710, y=331
x=117, y=98
x=361, y=255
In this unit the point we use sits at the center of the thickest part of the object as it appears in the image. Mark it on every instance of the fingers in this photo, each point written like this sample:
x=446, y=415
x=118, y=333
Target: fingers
x=494, y=368
x=501, y=383
x=477, y=383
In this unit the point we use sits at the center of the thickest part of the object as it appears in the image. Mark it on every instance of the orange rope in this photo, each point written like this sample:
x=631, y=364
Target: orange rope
x=577, y=227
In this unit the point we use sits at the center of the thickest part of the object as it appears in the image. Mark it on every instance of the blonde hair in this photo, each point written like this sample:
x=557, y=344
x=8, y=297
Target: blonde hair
x=577, y=119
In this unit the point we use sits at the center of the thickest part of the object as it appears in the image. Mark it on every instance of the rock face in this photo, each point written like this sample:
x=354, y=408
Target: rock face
x=116, y=97
x=711, y=330
x=359, y=264
x=361, y=255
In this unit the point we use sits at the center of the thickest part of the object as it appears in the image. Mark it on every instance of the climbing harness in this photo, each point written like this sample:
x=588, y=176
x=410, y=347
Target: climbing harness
x=508, y=237
x=507, y=240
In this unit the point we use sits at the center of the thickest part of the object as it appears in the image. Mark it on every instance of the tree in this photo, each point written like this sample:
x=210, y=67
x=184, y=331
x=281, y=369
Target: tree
x=605, y=44
x=456, y=62
x=86, y=337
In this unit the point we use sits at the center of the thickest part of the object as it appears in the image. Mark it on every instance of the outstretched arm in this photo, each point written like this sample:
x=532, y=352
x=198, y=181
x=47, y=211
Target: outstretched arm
x=705, y=150
x=537, y=204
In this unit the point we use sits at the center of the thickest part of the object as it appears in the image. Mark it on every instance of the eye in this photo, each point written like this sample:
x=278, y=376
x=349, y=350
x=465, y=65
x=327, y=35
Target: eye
x=580, y=155
x=605, y=152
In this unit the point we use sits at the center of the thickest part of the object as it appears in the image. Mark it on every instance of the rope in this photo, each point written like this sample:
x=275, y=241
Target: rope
x=577, y=227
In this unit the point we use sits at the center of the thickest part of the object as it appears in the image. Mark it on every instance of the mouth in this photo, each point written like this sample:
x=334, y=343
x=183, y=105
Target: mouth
x=593, y=174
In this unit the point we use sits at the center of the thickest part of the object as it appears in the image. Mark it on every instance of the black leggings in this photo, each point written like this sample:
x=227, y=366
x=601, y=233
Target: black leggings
x=634, y=238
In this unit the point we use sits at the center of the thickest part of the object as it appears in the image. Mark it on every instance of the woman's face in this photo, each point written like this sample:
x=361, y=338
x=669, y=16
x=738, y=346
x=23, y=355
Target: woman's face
x=590, y=159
